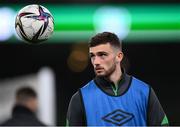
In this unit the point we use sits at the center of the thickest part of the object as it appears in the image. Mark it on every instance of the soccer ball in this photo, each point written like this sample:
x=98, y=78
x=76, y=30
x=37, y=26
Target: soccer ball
x=34, y=24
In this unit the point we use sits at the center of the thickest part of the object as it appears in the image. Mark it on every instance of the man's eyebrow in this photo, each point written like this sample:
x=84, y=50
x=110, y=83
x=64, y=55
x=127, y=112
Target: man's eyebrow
x=100, y=52
x=90, y=54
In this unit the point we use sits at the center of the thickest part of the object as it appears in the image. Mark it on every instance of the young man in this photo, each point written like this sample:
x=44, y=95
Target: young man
x=113, y=98
x=23, y=113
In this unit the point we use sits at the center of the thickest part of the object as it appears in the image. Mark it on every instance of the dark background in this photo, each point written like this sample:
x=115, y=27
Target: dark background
x=155, y=63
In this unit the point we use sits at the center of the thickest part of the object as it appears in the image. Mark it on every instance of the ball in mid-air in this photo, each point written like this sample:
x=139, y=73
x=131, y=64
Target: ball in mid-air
x=34, y=24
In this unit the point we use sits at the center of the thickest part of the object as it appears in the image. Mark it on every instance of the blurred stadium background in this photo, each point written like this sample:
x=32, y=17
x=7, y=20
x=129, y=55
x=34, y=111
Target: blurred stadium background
x=58, y=68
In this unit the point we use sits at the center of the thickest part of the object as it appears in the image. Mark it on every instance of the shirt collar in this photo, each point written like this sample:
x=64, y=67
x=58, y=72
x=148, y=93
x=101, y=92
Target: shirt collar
x=106, y=85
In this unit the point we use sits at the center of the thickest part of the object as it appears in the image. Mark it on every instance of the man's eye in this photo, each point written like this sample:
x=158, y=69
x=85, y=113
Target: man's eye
x=91, y=55
x=102, y=54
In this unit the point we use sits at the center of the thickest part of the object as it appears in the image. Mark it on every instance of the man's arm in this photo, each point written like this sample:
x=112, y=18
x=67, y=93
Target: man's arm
x=76, y=114
x=156, y=115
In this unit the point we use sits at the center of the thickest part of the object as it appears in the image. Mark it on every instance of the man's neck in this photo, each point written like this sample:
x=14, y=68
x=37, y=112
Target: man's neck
x=115, y=77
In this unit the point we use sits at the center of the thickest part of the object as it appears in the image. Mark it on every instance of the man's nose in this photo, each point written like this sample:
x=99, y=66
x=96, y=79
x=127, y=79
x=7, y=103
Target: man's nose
x=96, y=61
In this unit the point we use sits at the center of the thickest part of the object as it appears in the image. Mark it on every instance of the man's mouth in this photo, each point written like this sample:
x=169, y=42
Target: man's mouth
x=98, y=68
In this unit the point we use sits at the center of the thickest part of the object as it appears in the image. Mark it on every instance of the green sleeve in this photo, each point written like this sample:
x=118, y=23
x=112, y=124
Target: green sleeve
x=165, y=121
x=67, y=123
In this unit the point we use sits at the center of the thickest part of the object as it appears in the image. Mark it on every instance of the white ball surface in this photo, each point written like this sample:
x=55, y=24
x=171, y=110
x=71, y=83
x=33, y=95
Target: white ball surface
x=34, y=24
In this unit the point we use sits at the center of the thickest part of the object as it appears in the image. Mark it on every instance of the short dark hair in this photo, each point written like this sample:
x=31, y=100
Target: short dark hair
x=106, y=37
x=25, y=93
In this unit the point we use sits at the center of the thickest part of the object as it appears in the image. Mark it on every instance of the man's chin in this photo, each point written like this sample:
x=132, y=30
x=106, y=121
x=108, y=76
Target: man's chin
x=100, y=75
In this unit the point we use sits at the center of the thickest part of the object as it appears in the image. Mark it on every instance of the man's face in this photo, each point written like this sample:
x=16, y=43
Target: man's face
x=32, y=104
x=104, y=59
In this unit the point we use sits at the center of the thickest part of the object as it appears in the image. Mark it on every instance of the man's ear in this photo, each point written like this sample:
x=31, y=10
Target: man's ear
x=120, y=56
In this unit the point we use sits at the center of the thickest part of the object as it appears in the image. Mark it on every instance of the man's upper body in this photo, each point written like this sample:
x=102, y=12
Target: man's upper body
x=22, y=116
x=113, y=97
x=76, y=115
x=23, y=113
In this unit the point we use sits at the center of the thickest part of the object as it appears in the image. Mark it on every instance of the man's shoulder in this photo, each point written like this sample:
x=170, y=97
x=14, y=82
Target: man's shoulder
x=139, y=81
x=88, y=84
x=26, y=121
x=76, y=95
x=140, y=85
x=6, y=123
